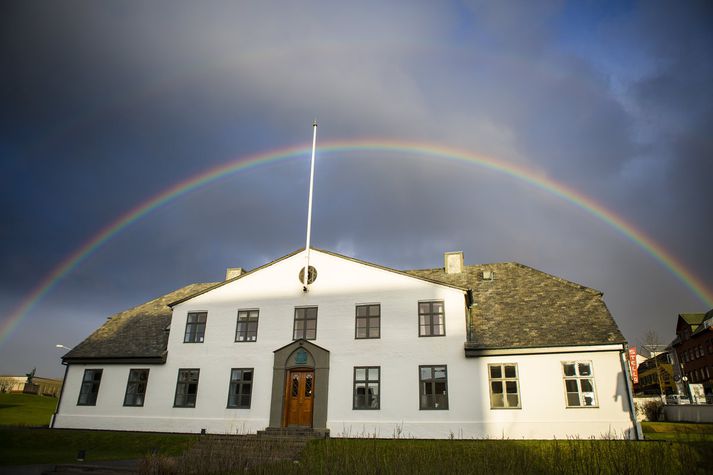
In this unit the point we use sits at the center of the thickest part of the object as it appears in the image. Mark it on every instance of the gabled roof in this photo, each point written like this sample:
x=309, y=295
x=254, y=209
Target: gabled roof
x=352, y=259
x=522, y=307
x=694, y=320
x=137, y=334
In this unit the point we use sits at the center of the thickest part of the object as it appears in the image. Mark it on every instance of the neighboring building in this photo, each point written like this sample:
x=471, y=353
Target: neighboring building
x=496, y=350
x=16, y=384
x=694, y=348
x=656, y=375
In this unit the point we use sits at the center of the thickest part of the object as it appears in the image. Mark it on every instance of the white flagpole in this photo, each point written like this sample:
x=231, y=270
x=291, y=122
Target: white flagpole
x=309, y=205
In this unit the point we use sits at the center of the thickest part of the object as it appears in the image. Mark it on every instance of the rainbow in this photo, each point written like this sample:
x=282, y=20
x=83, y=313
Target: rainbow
x=527, y=175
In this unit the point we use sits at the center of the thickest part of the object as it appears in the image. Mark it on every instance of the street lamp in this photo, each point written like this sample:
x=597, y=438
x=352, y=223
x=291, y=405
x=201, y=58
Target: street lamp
x=62, y=346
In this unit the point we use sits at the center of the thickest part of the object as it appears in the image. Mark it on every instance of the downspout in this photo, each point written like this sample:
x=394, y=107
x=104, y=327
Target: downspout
x=630, y=393
x=61, y=393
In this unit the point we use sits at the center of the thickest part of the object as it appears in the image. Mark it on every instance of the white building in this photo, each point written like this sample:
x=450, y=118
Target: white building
x=496, y=350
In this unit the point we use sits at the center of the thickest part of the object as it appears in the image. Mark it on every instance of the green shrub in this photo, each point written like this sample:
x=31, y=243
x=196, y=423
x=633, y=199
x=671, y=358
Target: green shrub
x=653, y=410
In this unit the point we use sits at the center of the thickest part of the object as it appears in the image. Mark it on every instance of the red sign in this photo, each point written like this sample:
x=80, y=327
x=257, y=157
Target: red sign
x=633, y=365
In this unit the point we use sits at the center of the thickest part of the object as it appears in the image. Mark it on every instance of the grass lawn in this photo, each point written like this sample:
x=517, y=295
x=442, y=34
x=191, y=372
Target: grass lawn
x=678, y=431
x=368, y=456
x=24, y=445
x=17, y=409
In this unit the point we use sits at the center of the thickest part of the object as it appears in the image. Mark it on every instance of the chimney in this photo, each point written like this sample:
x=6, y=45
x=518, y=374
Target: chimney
x=233, y=272
x=453, y=262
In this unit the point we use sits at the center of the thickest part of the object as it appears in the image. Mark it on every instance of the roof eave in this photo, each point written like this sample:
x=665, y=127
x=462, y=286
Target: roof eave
x=154, y=359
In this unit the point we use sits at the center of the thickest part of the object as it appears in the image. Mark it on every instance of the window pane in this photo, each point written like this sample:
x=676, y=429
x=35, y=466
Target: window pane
x=439, y=330
x=573, y=399
x=425, y=330
x=588, y=399
x=496, y=372
x=424, y=307
x=510, y=371
x=437, y=307
x=584, y=369
x=513, y=400
x=374, y=332
x=511, y=387
x=426, y=372
x=312, y=312
x=360, y=374
x=361, y=332
x=439, y=372
x=498, y=400
x=424, y=319
x=374, y=322
x=374, y=310
x=569, y=369
x=373, y=374
x=586, y=385
x=571, y=385
x=361, y=322
x=311, y=324
x=361, y=311
x=310, y=334
x=496, y=387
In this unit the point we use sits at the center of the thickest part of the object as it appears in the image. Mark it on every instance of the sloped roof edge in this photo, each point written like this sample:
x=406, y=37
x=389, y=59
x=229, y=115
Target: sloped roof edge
x=341, y=256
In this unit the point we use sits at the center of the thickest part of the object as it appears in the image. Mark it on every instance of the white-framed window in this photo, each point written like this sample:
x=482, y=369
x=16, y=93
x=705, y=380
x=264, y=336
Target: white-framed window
x=504, y=386
x=579, y=384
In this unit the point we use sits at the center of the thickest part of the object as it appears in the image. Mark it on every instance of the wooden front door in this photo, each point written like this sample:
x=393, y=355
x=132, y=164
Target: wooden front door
x=299, y=394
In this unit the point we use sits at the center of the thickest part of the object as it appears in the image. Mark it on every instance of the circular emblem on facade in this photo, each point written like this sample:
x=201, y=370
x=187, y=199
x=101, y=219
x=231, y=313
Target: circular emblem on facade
x=311, y=275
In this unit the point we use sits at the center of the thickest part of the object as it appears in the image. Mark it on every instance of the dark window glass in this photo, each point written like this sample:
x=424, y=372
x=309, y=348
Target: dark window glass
x=247, y=325
x=305, y=323
x=195, y=327
x=368, y=321
x=431, y=319
x=241, y=388
x=136, y=387
x=186, y=388
x=90, y=387
x=367, y=387
x=433, y=387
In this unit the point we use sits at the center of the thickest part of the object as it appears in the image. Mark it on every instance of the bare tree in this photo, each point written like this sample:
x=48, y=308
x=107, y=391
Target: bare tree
x=652, y=344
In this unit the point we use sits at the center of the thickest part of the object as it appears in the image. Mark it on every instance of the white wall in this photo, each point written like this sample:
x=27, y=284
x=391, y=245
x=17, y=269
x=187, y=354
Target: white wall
x=340, y=286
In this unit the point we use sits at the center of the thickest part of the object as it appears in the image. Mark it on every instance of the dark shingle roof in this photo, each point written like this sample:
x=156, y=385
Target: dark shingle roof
x=139, y=333
x=520, y=308
x=523, y=307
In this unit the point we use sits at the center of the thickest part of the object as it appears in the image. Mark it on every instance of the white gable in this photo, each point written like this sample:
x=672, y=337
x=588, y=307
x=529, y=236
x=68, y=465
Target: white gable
x=335, y=276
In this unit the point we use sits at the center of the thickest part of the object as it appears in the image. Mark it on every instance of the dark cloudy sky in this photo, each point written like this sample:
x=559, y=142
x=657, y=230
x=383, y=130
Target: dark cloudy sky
x=105, y=104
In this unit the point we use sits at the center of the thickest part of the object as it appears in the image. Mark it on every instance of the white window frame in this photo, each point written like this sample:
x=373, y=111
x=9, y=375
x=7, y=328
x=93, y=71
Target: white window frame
x=577, y=377
x=504, y=380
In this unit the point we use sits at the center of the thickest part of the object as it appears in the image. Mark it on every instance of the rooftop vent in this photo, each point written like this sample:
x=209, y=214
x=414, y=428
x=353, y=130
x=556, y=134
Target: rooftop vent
x=453, y=262
x=488, y=275
x=233, y=272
